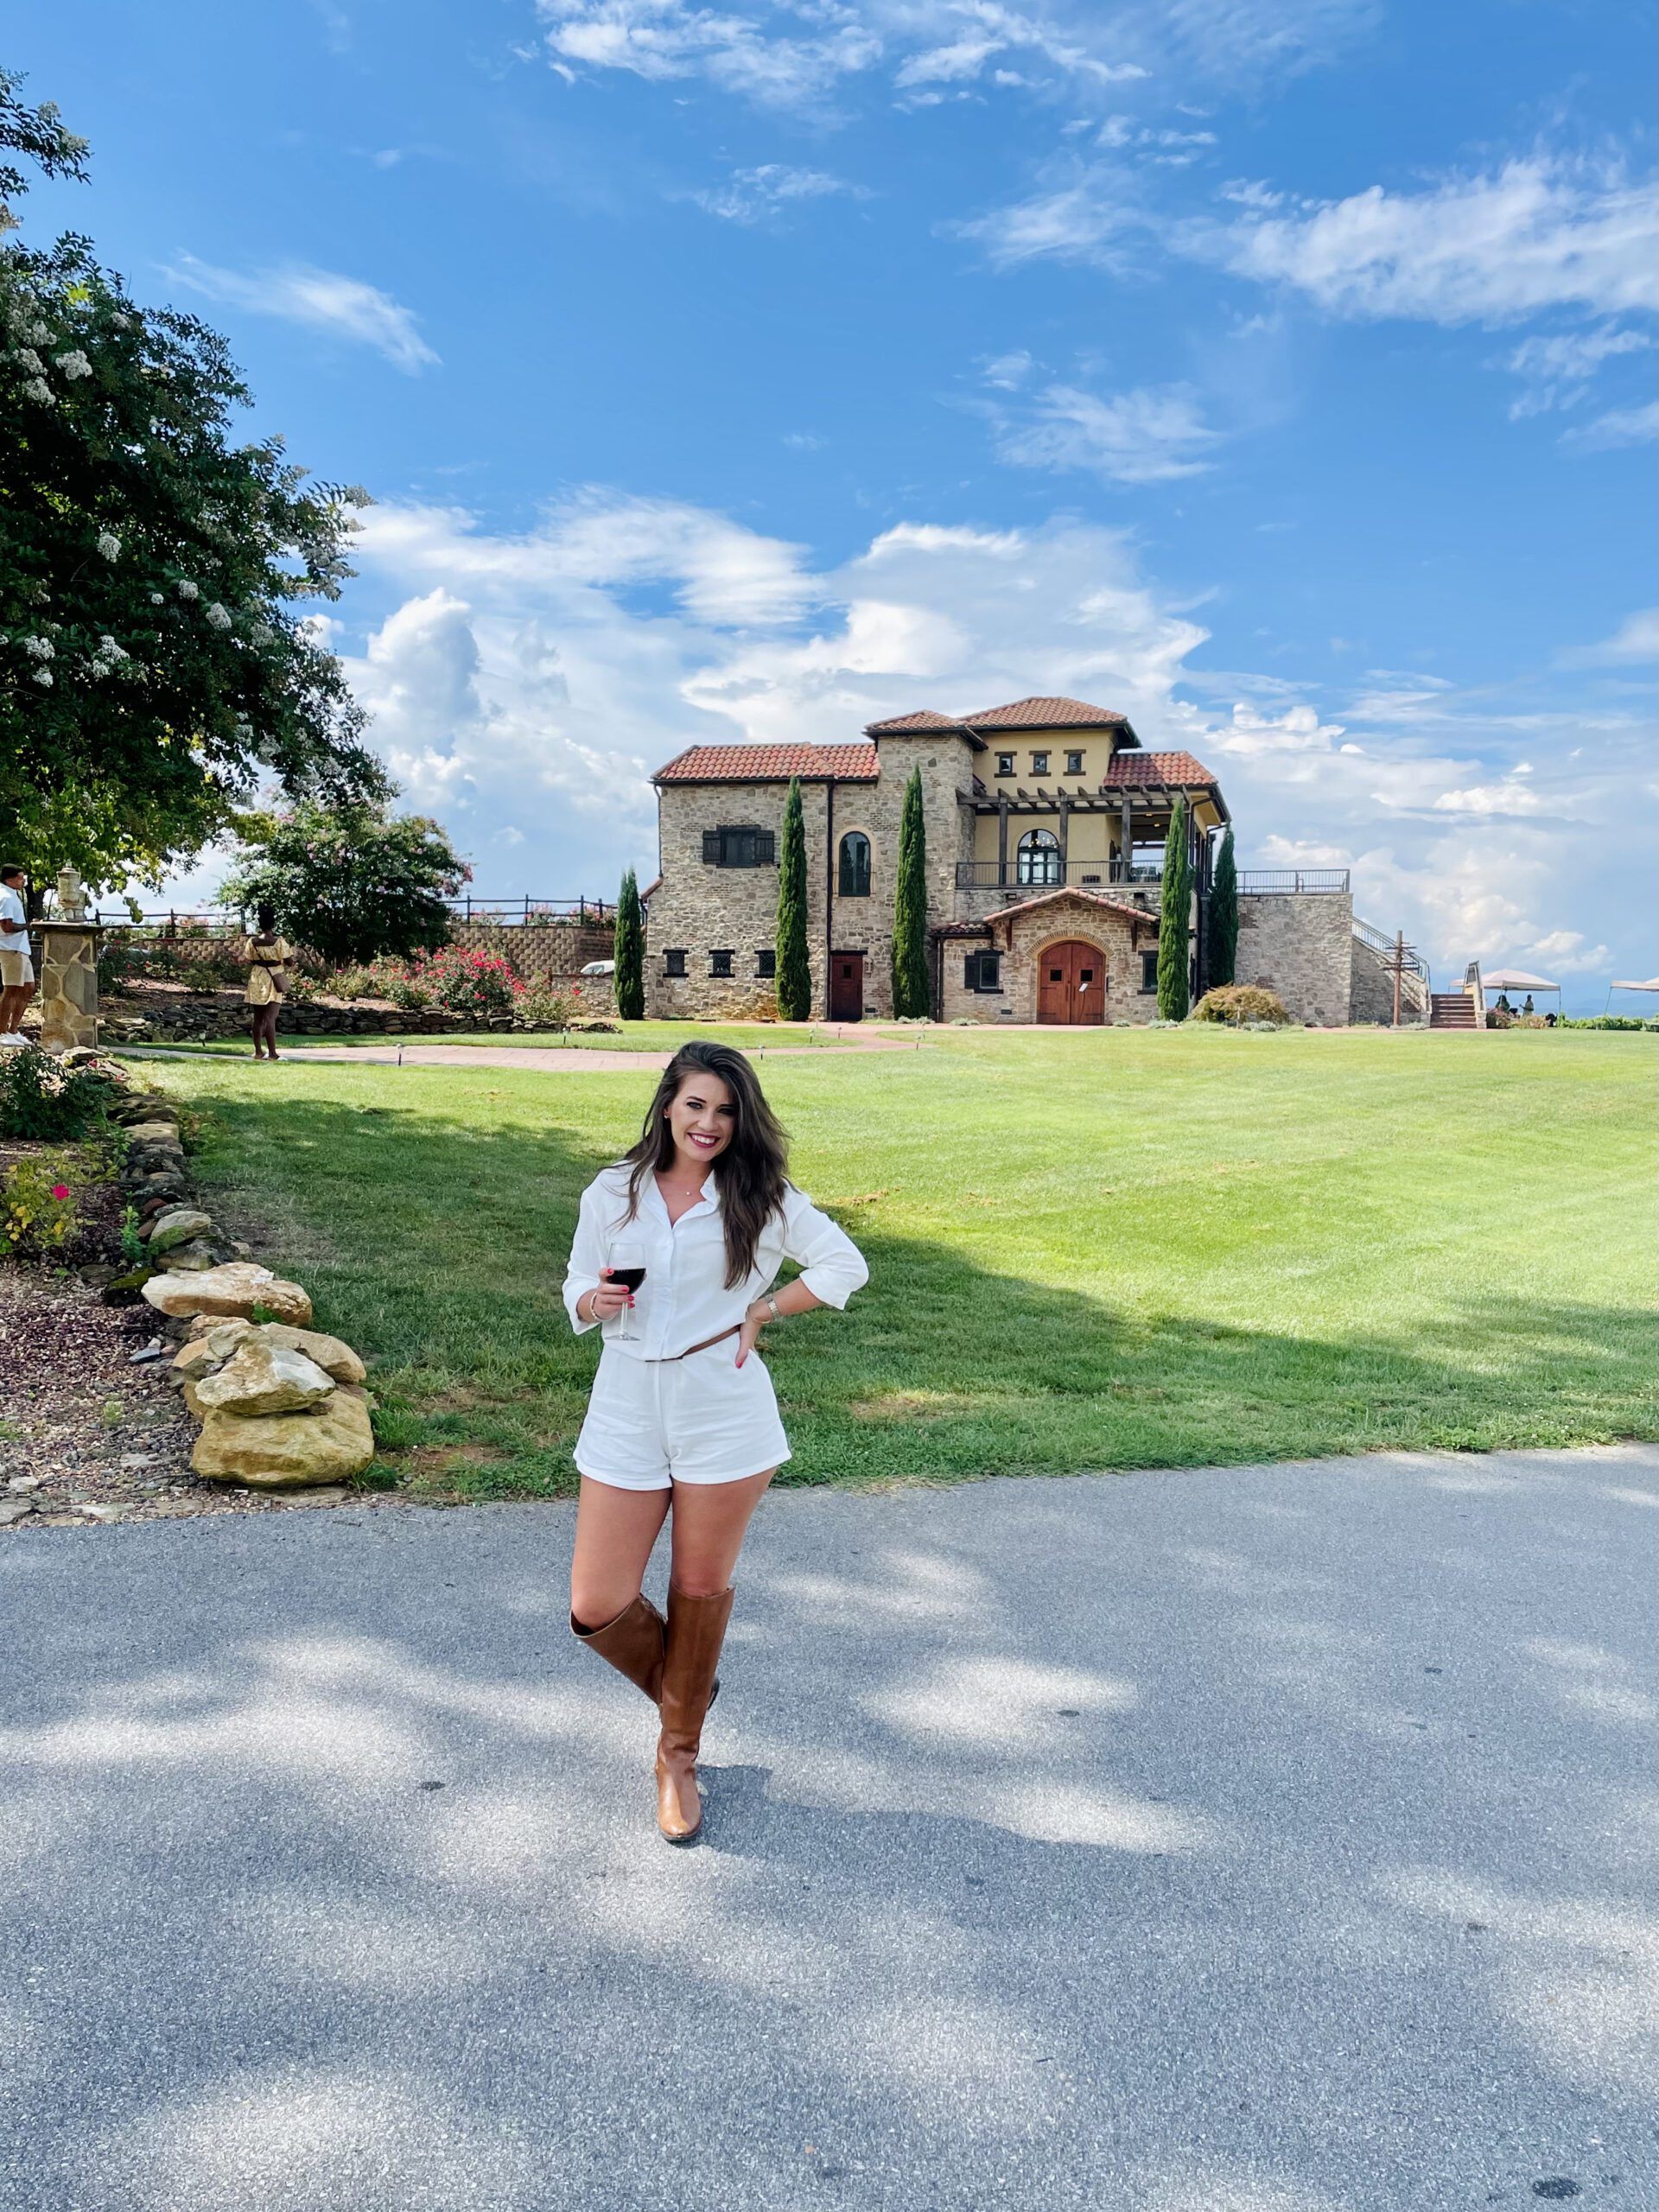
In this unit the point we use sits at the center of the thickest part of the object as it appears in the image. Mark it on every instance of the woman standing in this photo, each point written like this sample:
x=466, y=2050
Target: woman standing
x=268, y=958
x=677, y=1248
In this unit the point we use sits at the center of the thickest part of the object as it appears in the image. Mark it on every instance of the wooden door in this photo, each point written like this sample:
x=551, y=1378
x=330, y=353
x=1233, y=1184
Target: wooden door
x=1071, y=983
x=845, y=986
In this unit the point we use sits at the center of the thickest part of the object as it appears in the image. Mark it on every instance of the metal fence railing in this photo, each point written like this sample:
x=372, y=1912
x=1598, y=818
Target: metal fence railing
x=1255, y=880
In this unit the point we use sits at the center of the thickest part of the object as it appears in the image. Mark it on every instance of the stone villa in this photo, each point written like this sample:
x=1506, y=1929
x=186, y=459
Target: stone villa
x=1045, y=823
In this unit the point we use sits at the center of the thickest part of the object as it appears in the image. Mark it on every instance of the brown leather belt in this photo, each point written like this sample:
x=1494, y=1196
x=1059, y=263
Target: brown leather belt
x=669, y=1358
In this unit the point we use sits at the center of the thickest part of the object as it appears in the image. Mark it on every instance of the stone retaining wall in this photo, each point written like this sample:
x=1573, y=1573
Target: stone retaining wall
x=1302, y=945
x=557, y=950
x=1371, y=992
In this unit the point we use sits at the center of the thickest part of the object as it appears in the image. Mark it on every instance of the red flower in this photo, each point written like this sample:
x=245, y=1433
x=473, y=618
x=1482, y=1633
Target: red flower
x=60, y=1190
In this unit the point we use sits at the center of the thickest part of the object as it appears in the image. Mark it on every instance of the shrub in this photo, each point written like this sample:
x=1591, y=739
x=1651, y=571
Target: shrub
x=1499, y=1017
x=42, y=1101
x=546, y=1004
x=468, y=982
x=1626, y=1021
x=1238, y=1003
x=40, y=1213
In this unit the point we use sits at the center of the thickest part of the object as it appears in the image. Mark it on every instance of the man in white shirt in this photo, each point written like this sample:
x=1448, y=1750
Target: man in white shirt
x=16, y=969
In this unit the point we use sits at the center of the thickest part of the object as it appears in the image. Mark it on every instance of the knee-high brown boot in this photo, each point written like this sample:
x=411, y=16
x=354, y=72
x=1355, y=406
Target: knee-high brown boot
x=696, y=1628
x=633, y=1643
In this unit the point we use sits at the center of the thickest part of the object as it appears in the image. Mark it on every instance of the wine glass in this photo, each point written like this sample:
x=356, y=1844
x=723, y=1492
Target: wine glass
x=628, y=1268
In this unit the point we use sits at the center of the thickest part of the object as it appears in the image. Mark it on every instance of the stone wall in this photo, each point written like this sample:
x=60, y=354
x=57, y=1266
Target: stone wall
x=558, y=950
x=1370, y=996
x=1022, y=943
x=1302, y=945
x=699, y=909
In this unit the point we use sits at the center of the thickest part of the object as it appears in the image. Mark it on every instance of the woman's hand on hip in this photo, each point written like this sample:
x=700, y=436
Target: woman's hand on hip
x=748, y=1335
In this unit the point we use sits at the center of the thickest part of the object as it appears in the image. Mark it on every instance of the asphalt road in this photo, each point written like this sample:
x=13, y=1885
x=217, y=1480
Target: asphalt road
x=1272, y=1840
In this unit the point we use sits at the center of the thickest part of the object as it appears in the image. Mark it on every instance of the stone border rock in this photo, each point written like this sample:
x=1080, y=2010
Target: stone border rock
x=282, y=1406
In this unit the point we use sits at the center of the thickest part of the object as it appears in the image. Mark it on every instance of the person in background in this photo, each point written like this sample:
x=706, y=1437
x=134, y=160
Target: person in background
x=1528, y=1007
x=16, y=969
x=268, y=958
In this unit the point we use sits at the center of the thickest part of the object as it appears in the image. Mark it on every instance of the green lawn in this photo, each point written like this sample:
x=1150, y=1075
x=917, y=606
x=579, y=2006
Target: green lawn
x=1089, y=1250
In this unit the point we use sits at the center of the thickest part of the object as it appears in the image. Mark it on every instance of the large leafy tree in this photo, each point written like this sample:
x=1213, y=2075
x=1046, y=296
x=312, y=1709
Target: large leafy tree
x=628, y=951
x=156, y=663
x=794, y=968
x=351, y=883
x=1174, y=979
x=912, y=990
x=1223, y=915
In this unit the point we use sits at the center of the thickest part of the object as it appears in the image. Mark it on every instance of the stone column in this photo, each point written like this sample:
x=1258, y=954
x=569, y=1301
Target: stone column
x=68, y=984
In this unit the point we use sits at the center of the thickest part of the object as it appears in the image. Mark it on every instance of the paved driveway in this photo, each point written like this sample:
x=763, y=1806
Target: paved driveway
x=1274, y=1839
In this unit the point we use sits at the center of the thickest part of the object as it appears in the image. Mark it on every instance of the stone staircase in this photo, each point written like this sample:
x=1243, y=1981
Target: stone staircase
x=1451, y=1010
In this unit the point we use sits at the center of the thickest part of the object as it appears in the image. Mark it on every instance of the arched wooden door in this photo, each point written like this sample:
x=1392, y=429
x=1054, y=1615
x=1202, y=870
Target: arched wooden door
x=1071, y=983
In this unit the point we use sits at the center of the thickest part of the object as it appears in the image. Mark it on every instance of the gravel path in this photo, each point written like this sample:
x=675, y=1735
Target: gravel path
x=1262, y=1839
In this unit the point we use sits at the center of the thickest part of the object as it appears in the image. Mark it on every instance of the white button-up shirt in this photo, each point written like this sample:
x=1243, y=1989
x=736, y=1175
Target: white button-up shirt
x=683, y=1298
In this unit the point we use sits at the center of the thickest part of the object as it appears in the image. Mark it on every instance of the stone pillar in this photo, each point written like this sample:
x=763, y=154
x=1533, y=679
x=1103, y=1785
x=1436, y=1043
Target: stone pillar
x=68, y=984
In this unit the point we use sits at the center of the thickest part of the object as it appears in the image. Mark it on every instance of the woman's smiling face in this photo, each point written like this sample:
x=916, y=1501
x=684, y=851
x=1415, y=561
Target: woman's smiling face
x=701, y=1118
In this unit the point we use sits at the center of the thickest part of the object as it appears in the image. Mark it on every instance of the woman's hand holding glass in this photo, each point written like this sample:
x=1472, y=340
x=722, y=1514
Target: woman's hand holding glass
x=609, y=1299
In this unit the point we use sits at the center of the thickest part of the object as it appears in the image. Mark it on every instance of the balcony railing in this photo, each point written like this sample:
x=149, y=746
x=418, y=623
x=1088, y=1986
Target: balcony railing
x=1044, y=873
x=1255, y=880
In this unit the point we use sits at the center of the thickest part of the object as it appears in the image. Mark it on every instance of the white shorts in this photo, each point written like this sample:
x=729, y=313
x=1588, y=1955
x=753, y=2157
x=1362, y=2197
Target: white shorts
x=654, y=1422
x=16, y=970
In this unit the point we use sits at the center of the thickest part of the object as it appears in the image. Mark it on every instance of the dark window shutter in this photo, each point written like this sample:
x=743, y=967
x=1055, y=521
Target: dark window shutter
x=765, y=854
x=970, y=972
x=711, y=848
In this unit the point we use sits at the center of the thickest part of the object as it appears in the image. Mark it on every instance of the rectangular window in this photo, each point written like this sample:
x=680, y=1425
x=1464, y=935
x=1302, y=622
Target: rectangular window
x=674, y=963
x=1148, y=972
x=766, y=963
x=1005, y=763
x=1040, y=764
x=720, y=964
x=1074, y=763
x=740, y=845
x=982, y=971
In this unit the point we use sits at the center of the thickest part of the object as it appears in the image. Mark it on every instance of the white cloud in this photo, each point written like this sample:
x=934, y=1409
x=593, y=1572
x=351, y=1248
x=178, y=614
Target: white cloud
x=1535, y=234
x=1620, y=426
x=318, y=299
x=1131, y=437
x=755, y=194
x=1637, y=638
x=664, y=39
x=1558, y=369
x=1009, y=370
x=1539, y=232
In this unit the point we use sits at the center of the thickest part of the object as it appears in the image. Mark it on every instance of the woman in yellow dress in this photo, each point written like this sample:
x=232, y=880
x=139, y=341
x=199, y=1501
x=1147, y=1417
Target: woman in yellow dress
x=268, y=958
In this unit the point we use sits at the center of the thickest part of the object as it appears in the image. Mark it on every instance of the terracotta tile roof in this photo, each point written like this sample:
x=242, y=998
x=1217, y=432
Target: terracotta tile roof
x=1046, y=713
x=1178, y=769
x=771, y=764
x=1104, y=899
x=898, y=725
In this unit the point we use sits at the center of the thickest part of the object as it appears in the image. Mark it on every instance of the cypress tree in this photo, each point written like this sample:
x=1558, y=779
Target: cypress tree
x=1224, y=914
x=794, y=969
x=628, y=950
x=1173, y=921
x=911, y=989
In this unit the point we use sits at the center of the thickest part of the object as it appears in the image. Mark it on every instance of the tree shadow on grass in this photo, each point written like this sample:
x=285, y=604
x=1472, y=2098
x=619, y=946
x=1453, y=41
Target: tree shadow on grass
x=439, y=1246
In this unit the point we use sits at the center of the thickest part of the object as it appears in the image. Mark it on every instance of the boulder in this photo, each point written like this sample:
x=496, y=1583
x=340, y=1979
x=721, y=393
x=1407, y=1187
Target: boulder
x=287, y=1451
x=192, y=1362
x=210, y=1251
x=332, y=1355
x=143, y=1183
x=176, y=1225
x=234, y=1289
x=156, y=1132
x=262, y=1377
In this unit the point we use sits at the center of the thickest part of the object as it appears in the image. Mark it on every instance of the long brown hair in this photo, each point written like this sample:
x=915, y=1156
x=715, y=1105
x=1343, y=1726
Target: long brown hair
x=749, y=1173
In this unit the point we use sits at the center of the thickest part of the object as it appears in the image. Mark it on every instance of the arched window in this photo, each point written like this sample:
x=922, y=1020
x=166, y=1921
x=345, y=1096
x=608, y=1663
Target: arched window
x=1039, y=860
x=854, y=879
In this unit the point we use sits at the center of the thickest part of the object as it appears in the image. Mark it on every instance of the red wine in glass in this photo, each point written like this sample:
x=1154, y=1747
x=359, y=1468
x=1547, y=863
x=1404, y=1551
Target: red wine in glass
x=630, y=1277
x=628, y=1268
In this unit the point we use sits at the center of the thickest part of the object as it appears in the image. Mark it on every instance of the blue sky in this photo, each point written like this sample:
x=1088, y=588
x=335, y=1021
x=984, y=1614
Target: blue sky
x=1280, y=375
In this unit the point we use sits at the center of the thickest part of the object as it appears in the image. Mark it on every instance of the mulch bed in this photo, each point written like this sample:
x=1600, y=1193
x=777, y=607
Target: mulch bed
x=88, y=1433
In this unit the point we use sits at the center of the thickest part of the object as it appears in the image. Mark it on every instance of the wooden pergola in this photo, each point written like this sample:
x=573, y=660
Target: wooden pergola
x=1142, y=811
